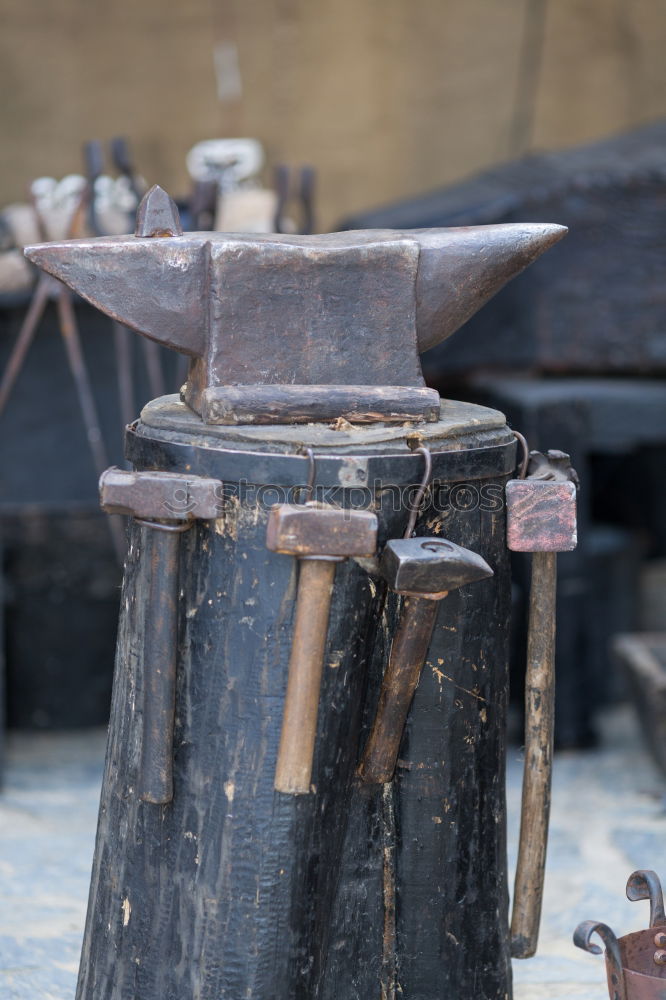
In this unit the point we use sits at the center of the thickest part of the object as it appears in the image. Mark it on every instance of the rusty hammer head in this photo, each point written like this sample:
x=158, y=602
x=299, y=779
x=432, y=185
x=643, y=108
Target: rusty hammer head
x=314, y=530
x=160, y=495
x=430, y=567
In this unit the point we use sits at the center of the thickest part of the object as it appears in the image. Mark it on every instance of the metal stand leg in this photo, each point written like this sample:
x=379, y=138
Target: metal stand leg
x=123, y=348
x=24, y=340
x=72, y=341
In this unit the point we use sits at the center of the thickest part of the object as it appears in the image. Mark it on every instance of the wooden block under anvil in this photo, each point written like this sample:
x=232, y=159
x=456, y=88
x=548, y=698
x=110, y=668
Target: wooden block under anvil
x=285, y=329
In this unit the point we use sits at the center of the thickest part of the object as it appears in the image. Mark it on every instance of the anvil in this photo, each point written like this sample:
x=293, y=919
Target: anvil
x=296, y=328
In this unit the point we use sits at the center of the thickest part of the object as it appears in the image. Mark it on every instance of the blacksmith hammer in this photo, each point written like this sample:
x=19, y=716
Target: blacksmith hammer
x=320, y=536
x=541, y=519
x=424, y=570
x=165, y=504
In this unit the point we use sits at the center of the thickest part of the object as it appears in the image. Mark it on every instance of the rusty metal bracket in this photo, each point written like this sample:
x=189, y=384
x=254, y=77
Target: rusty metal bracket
x=583, y=939
x=645, y=884
x=635, y=963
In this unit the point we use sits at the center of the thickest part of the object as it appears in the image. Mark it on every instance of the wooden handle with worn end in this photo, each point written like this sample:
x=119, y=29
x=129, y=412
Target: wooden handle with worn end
x=408, y=654
x=160, y=653
x=539, y=728
x=293, y=771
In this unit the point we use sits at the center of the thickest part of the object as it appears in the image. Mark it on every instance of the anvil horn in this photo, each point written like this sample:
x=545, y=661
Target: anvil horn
x=461, y=269
x=158, y=286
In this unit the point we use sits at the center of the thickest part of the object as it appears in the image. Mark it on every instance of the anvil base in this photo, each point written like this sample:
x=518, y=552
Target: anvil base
x=298, y=404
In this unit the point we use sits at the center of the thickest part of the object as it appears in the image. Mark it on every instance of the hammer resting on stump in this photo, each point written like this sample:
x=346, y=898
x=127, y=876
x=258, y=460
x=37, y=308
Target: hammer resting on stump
x=320, y=536
x=424, y=570
x=166, y=504
x=541, y=519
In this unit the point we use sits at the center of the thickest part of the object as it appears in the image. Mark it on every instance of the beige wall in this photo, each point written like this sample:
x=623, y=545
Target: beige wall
x=386, y=97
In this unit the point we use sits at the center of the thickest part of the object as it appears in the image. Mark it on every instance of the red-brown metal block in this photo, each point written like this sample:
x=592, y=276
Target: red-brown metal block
x=540, y=516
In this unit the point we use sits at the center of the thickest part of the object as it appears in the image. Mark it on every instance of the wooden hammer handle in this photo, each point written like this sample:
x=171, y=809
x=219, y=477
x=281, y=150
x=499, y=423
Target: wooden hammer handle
x=160, y=652
x=408, y=654
x=539, y=729
x=293, y=771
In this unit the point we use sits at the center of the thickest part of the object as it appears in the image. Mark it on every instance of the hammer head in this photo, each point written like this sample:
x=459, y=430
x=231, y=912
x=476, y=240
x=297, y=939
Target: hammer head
x=160, y=495
x=430, y=565
x=317, y=529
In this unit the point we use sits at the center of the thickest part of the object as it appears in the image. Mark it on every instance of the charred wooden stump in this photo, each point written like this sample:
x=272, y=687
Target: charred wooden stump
x=352, y=891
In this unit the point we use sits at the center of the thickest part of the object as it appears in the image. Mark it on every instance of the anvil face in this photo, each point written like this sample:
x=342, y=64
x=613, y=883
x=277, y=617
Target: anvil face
x=333, y=322
x=340, y=312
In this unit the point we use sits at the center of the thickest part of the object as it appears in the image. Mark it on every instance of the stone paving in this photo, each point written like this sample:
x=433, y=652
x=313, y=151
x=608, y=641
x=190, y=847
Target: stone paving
x=48, y=814
x=609, y=817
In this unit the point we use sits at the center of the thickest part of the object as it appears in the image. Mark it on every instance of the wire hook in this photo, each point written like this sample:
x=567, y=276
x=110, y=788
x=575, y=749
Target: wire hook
x=524, y=462
x=309, y=488
x=420, y=493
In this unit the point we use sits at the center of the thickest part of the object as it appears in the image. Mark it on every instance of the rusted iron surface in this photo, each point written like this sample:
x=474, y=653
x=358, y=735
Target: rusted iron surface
x=635, y=962
x=325, y=311
x=425, y=570
x=644, y=976
x=430, y=565
x=541, y=517
x=645, y=884
x=161, y=495
x=541, y=509
x=583, y=939
x=318, y=529
x=320, y=536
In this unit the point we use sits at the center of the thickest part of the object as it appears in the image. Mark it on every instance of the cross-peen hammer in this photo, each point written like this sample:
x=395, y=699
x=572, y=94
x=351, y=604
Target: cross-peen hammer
x=166, y=504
